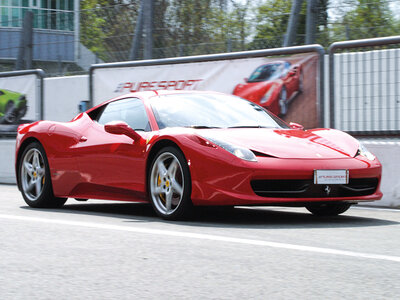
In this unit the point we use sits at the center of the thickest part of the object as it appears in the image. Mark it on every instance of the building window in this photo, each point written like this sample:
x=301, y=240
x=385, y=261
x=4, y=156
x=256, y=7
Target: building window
x=48, y=14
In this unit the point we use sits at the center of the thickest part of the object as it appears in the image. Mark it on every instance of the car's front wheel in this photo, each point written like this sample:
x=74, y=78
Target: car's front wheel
x=283, y=102
x=328, y=209
x=169, y=184
x=34, y=178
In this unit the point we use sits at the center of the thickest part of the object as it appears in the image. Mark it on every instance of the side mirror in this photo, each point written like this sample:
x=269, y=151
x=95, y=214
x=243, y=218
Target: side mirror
x=120, y=127
x=296, y=126
x=83, y=106
x=292, y=73
x=246, y=79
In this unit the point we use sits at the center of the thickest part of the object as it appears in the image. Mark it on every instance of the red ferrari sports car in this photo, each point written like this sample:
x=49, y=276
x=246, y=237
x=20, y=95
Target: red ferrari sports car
x=273, y=86
x=180, y=149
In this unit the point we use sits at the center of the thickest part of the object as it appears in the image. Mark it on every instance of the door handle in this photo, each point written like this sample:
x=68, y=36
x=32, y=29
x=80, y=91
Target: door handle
x=83, y=139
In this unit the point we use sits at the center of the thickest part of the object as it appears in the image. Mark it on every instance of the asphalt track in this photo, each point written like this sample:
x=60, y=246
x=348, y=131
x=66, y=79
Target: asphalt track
x=114, y=250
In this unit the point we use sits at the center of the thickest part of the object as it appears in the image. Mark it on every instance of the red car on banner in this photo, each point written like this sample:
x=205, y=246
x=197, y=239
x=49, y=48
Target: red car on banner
x=182, y=149
x=273, y=86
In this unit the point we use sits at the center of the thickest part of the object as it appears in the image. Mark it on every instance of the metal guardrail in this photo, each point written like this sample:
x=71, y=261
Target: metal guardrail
x=368, y=73
x=315, y=48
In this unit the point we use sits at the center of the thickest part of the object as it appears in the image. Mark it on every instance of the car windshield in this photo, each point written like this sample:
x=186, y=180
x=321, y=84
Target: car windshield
x=211, y=111
x=267, y=72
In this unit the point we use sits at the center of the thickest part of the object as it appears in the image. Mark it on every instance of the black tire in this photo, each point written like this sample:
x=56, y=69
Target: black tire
x=283, y=101
x=328, y=209
x=301, y=82
x=35, y=180
x=10, y=114
x=164, y=181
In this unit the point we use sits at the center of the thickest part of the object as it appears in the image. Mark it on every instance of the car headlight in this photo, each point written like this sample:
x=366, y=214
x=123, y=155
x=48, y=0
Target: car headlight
x=267, y=95
x=240, y=152
x=362, y=150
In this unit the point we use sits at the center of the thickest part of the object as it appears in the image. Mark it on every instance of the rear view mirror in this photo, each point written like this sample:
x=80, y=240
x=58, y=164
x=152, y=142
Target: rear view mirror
x=120, y=127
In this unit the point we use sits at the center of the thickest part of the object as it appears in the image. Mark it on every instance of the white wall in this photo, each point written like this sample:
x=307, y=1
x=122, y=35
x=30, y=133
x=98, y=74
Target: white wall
x=367, y=90
x=7, y=154
x=388, y=153
x=62, y=96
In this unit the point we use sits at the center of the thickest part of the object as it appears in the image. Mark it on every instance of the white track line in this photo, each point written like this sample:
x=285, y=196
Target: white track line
x=205, y=237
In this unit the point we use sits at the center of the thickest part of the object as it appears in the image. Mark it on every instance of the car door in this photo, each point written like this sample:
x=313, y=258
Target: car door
x=112, y=165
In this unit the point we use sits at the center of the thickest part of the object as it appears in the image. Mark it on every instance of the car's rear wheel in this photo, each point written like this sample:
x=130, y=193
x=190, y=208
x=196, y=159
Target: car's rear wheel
x=301, y=82
x=34, y=178
x=169, y=185
x=10, y=114
x=328, y=209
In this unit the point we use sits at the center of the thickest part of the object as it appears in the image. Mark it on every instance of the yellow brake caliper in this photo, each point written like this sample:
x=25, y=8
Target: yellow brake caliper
x=159, y=184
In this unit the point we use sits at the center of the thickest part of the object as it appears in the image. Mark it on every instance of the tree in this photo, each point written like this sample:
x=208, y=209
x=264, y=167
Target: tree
x=272, y=19
x=107, y=27
x=200, y=26
x=367, y=20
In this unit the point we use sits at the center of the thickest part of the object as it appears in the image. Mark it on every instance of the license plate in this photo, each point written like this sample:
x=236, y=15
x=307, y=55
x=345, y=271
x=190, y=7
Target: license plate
x=331, y=176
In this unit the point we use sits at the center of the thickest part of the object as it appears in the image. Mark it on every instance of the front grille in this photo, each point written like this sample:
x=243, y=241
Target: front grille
x=307, y=189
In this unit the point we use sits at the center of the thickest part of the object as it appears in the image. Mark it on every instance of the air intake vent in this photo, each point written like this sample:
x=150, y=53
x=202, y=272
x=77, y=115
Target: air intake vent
x=259, y=154
x=307, y=189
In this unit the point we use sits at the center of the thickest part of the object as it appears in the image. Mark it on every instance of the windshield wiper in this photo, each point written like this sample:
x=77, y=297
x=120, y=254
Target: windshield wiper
x=201, y=127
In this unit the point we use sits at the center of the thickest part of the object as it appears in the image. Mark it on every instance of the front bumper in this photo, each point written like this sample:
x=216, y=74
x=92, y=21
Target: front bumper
x=230, y=183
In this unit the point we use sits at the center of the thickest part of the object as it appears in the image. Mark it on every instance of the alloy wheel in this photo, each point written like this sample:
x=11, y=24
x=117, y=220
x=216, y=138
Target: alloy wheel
x=166, y=183
x=33, y=174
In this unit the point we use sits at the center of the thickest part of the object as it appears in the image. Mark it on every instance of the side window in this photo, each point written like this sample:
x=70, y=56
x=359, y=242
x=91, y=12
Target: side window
x=286, y=68
x=131, y=111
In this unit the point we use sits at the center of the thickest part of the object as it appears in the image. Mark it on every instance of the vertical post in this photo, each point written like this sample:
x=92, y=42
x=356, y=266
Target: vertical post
x=181, y=50
x=331, y=87
x=229, y=45
x=24, y=59
x=312, y=10
x=137, y=36
x=91, y=78
x=77, y=54
x=347, y=32
x=321, y=88
x=41, y=76
x=148, y=29
x=29, y=41
x=59, y=65
x=292, y=24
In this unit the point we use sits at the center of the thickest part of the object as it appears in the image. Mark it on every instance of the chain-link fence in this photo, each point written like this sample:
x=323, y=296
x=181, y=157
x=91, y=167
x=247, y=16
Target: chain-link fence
x=67, y=41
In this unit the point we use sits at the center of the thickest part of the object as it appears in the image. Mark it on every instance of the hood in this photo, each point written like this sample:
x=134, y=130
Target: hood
x=253, y=90
x=289, y=143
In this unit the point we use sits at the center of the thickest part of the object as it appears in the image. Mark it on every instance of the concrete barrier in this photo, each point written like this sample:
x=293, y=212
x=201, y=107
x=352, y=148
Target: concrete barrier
x=7, y=158
x=388, y=152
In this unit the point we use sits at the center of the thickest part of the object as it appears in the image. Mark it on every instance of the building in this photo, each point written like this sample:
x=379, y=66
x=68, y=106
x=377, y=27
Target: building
x=55, y=34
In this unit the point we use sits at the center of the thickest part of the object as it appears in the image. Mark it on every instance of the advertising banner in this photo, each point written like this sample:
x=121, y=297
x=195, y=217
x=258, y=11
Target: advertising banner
x=19, y=102
x=285, y=85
